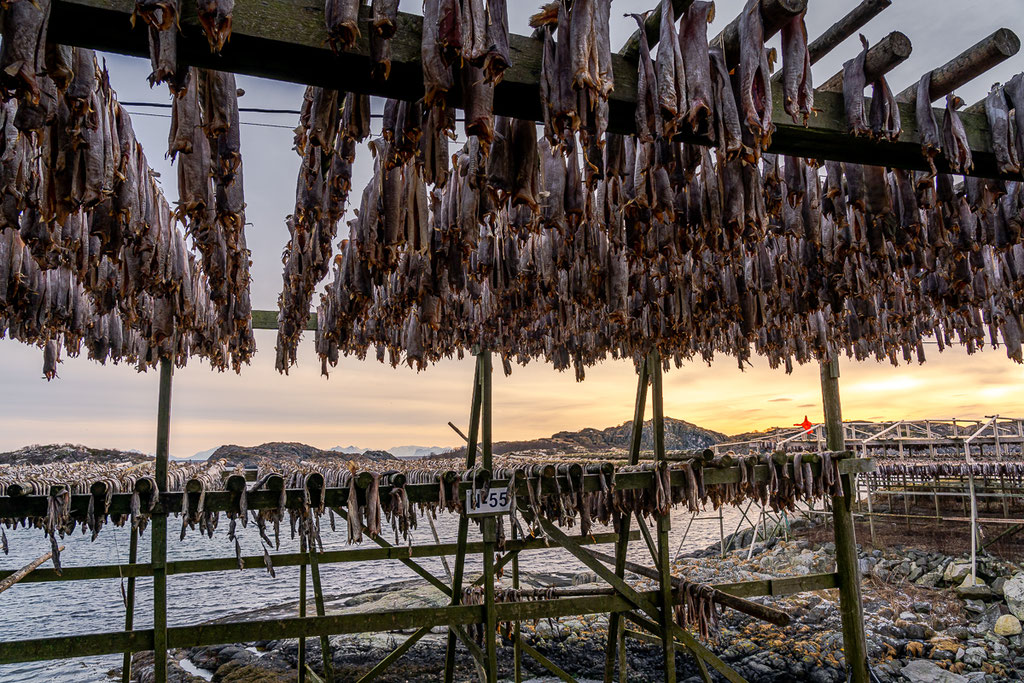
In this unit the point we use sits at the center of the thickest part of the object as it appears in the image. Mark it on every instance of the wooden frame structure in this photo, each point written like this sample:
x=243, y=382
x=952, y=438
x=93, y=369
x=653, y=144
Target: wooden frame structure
x=651, y=611
x=296, y=40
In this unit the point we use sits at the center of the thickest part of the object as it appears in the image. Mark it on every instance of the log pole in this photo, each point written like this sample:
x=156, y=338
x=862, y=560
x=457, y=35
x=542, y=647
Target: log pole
x=882, y=57
x=158, y=537
x=968, y=65
x=774, y=15
x=26, y=570
x=664, y=521
x=460, y=554
x=129, y=603
x=622, y=544
x=854, y=640
x=854, y=20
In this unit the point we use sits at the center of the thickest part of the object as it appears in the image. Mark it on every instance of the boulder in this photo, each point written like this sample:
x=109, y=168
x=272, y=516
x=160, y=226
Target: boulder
x=1007, y=625
x=956, y=572
x=923, y=671
x=975, y=589
x=930, y=579
x=1013, y=591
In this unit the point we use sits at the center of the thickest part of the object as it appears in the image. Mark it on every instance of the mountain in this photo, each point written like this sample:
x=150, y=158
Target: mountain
x=417, y=451
x=203, y=455
x=281, y=451
x=39, y=455
x=356, y=450
x=679, y=435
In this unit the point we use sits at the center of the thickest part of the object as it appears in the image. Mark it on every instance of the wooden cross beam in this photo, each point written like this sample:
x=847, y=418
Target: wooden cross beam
x=287, y=40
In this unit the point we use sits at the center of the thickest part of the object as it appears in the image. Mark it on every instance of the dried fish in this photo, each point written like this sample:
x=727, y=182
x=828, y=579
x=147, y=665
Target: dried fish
x=954, y=137
x=215, y=16
x=342, y=17
x=798, y=92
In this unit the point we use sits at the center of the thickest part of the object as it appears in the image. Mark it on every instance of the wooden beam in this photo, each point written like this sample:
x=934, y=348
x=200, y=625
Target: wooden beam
x=774, y=15
x=882, y=57
x=287, y=40
x=652, y=27
x=622, y=545
x=968, y=65
x=394, y=655
x=557, y=671
x=854, y=20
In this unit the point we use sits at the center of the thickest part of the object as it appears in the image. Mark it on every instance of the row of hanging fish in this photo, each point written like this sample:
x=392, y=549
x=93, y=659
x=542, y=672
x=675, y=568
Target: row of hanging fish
x=1010, y=471
x=376, y=493
x=579, y=244
x=89, y=249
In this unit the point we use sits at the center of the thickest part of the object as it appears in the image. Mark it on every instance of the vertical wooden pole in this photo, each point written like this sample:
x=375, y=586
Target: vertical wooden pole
x=129, y=607
x=664, y=521
x=318, y=596
x=460, y=553
x=302, y=608
x=490, y=615
x=854, y=640
x=517, y=650
x=622, y=544
x=158, y=537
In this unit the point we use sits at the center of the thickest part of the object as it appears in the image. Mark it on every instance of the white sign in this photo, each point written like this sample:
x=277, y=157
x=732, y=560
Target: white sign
x=495, y=502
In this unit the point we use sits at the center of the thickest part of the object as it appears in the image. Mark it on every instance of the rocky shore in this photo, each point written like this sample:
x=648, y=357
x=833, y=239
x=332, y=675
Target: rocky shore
x=926, y=622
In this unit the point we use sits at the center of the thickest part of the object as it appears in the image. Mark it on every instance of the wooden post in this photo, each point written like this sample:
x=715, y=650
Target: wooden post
x=158, y=536
x=129, y=603
x=622, y=544
x=302, y=609
x=517, y=650
x=490, y=615
x=854, y=640
x=974, y=513
x=664, y=521
x=460, y=553
x=318, y=596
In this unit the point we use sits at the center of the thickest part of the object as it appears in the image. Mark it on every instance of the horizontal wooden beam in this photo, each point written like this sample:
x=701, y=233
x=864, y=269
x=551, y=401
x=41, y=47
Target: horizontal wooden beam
x=116, y=642
x=287, y=40
x=854, y=20
x=968, y=65
x=267, y=320
x=17, y=507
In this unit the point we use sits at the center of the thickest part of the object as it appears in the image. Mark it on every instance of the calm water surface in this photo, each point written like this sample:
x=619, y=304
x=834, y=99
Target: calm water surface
x=78, y=607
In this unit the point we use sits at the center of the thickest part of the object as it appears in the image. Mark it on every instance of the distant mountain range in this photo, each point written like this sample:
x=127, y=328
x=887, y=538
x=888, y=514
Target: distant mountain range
x=679, y=435
x=398, y=451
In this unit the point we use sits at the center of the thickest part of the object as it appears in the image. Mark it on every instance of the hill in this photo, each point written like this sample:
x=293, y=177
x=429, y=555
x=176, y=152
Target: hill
x=66, y=452
x=285, y=451
x=679, y=435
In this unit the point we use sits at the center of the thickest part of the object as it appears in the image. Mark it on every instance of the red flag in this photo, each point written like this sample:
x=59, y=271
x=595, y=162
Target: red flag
x=806, y=424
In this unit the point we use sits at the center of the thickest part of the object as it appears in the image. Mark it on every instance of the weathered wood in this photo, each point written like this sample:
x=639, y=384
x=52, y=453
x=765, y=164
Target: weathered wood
x=302, y=608
x=416, y=567
x=294, y=35
x=545, y=662
x=726, y=599
x=267, y=320
x=158, y=523
x=968, y=65
x=389, y=552
x=882, y=57
x=854, y=20
x=622, y=544
x=694, y=645
x=652, y=27
x=15, y=577
x=641, y=601
x=394, y=655
x=664, y=522
x=63, y=647
x=854, y=639
x=318, y=597
x=460, y=555
x=490, y=619
x=774, y=15
x=223, y=501
x=129, y=604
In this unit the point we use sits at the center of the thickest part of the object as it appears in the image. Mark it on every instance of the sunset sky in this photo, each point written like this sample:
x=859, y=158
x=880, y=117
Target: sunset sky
x=371, y=405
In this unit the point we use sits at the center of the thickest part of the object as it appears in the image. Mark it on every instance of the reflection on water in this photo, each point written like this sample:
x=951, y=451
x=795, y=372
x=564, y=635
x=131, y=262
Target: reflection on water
x=39, y=610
